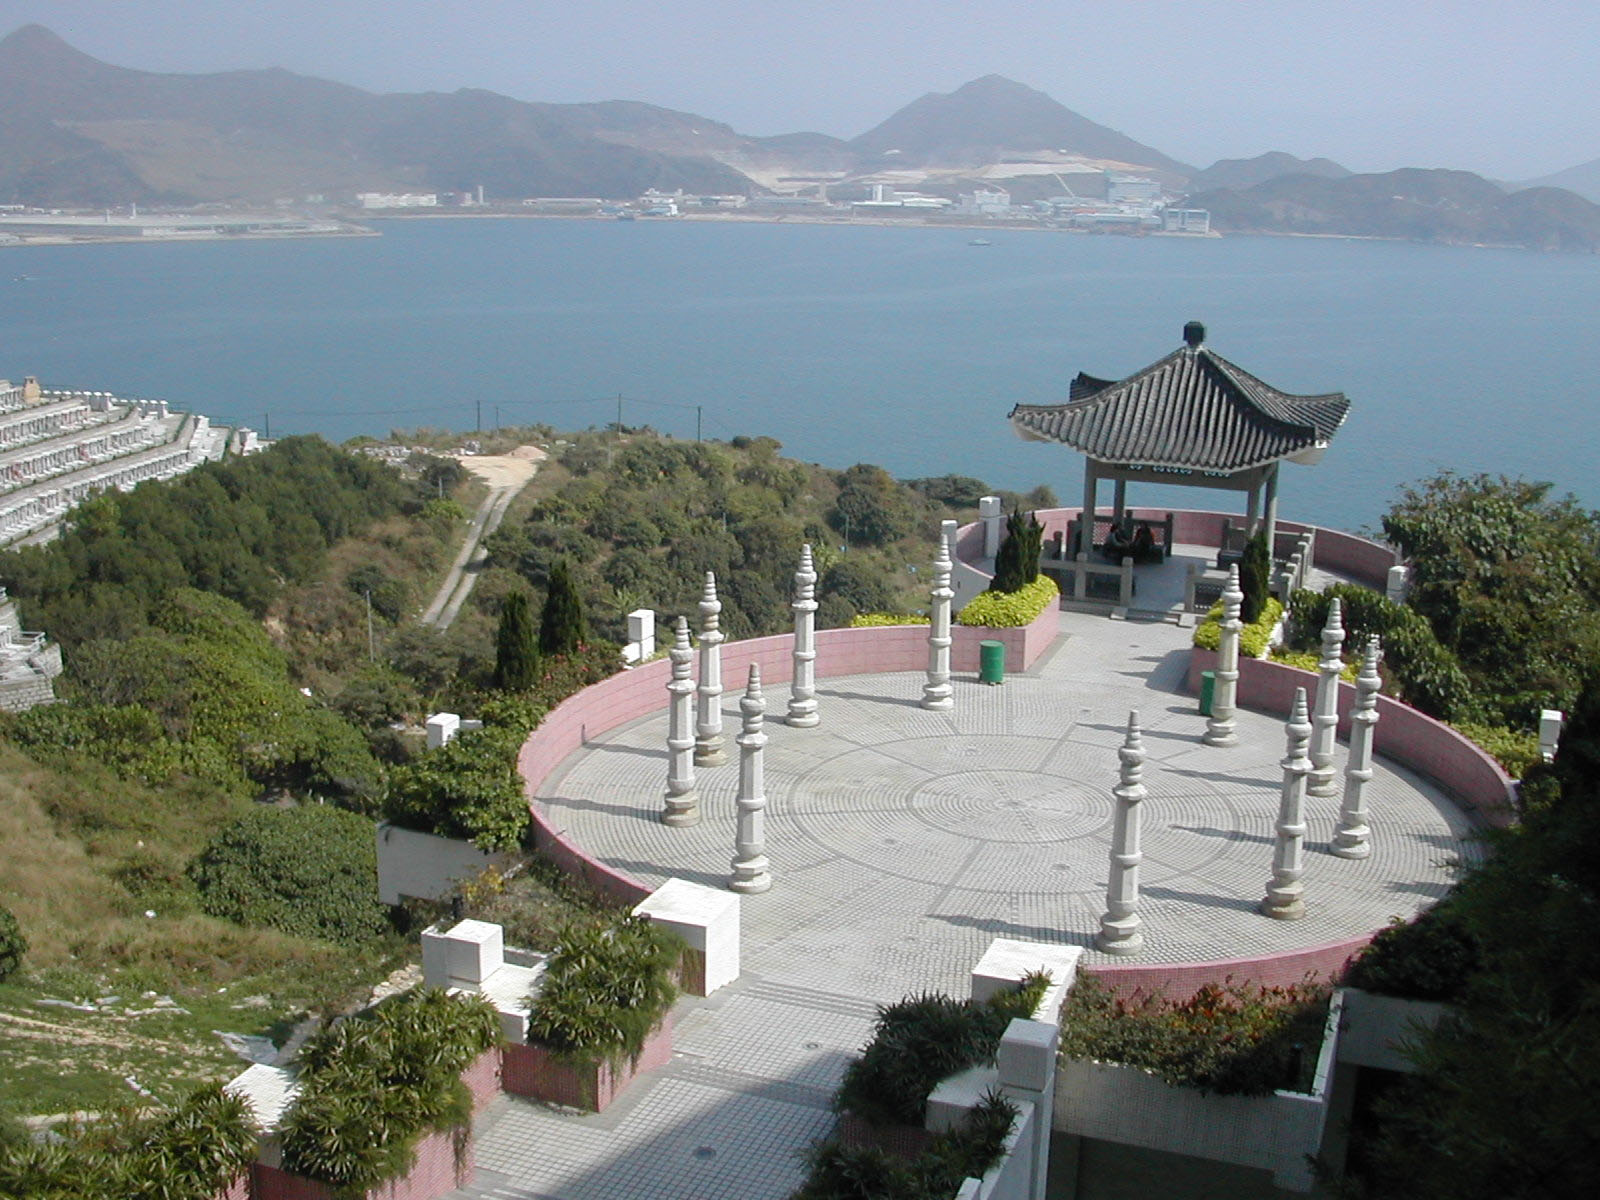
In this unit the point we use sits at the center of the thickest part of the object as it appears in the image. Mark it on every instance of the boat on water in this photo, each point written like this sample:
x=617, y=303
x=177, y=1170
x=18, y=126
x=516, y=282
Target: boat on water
x=980, y=242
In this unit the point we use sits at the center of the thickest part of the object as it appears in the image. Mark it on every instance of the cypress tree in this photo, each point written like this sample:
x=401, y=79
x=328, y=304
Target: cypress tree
x=561, y=629
x=516, y=658
x=1255, y=571
x=1009, y=573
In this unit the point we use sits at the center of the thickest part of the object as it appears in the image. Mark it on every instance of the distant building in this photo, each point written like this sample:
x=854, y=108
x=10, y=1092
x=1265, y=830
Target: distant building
x=1186, y=220
x=984, y=203
x=1131, y=190
x=397, y=199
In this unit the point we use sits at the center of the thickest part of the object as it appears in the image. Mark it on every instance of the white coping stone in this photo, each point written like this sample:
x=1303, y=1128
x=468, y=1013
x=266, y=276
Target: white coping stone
x=706, y=918
x=466, y=954
x=1007, y=960
x=441, y=728
x=1027, y=1054
x=1550, y=722
x=957, y=1095
x=267, y=1090
x=508, y=990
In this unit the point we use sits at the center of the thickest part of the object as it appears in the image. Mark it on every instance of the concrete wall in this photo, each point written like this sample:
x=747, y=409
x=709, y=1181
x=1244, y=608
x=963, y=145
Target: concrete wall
x=1375, y=1026
x=423, y=865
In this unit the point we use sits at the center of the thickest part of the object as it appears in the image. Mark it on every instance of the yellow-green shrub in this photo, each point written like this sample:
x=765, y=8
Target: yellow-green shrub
x=1305, y=660
x=1253, y=638
x=1008, y=610
x=875, y=620
x=1514, y=749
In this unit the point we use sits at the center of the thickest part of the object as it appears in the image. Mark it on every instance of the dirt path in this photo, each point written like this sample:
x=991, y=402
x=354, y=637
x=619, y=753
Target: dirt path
x=506, y=475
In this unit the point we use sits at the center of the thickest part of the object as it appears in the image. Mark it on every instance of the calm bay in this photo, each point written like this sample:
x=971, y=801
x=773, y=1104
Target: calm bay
x=901, y=346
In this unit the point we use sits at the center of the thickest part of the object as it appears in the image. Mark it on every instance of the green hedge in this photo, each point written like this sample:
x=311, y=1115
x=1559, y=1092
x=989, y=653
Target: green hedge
x=1430, y=958
x=1308, y=660
x=1253, y=638
x=12, y=944
x=1009, y=610
x=605, y=990
x=876, y=620
x=1517, y=750
x=372, y=1086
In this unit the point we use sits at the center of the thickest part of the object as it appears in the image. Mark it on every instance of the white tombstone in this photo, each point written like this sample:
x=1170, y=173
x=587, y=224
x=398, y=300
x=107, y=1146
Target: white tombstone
x=937, y=692
x=464, y=955
x=992, y=514
x=705, y=918
x=1119, y=927
x=1351, y=835
x=1325, y=710
x=750, y=867
x=682, y=805
x=1398, y=582
x=442, y=727
x=642, y=632
x=1550, y=723
x=1284, y=899
x=708, y=751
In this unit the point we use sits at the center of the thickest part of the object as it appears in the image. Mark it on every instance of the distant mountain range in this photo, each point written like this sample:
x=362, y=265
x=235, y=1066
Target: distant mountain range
x=77, y=132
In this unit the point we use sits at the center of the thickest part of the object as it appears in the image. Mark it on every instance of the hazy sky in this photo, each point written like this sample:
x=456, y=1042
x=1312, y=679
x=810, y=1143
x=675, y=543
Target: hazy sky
x=1503, y=87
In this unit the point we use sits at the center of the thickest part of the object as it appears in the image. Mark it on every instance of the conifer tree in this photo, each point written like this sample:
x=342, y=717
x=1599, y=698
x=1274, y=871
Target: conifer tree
x=516, y=657
x=1255, y=571
x=561, y=629
x=1016, y=563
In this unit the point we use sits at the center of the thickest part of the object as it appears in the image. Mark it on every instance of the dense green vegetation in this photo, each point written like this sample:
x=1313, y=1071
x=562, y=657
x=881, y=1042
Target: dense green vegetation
x=516, y=656
x=12, y=944
x=1016, y=563
x=605, y=989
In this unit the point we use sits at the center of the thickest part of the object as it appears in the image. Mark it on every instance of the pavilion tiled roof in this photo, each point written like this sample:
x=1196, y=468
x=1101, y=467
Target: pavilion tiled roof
x=1193, y=410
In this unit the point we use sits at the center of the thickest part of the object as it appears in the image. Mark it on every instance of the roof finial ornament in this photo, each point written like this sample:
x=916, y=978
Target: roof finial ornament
x=1194, y=333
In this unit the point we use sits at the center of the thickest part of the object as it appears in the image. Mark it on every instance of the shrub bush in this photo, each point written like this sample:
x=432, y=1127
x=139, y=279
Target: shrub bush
x=1016, y=563
x=1254, y=637
x=1430, y=958
x=922, y=1039
x=876, y=620
x=606, y=989
x=372, y=1086
x=311, y=871
x=562, y=629
x=12, y=944
x=1009, y=610
x=1307, y=660
x=1517, y=750
x=1255, y=577
x=1233, y=1040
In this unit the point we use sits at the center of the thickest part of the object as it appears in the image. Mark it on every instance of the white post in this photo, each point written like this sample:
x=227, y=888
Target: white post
x=937, y=693
x=642, y=632
x=1119, y=928
x=1350, y=836
x=750, y=873
x=682, y=803
x=803, y=689
x=1397, y=584
x=1284, y=900
x=990, y=513
x=1220, y=726
x=1550, y=722
x=1325, y=717
x=708, y=751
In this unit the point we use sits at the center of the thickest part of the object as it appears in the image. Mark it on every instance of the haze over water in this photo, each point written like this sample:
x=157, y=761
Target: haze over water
x=905, y=347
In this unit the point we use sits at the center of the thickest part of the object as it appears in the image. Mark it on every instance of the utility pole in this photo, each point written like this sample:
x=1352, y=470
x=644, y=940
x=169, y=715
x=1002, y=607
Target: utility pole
x=478, y=427
x=372, y=646
x=699, y=411
x=619, y=414
x=497, y=418
x=266, y=426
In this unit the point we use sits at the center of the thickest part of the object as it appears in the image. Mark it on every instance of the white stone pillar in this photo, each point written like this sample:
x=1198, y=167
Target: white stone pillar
x=937, y=693
x=1350, y=836
x=1119, y=928
x=1220, y=726
x=682, y=802
x=1396, y=585
x=1283, y=900
x=708, y=751
x=1325, y=714
x=750, y=873
x=803, y=689
x=642, y=632
x=993, y=518
x=1550, y=722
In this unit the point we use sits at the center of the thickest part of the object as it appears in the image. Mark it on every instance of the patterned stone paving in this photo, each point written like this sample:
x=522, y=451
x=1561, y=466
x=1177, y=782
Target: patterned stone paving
x=901, y=842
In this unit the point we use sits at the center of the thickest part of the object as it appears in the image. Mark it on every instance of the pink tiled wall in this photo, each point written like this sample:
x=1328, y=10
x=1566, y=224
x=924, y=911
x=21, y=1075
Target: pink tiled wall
x=1178, y=981
x=537, y=1072
x=438, y=1169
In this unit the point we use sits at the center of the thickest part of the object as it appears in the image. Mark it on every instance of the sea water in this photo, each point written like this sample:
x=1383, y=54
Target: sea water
x=901, y=346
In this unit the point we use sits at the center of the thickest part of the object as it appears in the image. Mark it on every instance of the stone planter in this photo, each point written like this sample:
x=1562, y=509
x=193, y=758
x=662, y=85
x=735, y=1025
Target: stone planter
x=539, y=1073
x=1375, y=1026
x=1130, y=1106
x=904, y=1142
x=444, y=1162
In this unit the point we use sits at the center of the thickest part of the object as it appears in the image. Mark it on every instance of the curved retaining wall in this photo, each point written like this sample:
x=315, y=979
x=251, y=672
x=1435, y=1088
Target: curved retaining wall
x=638, y=693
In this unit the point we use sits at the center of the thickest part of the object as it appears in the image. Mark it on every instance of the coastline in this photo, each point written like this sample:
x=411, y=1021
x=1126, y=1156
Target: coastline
x=63, y=239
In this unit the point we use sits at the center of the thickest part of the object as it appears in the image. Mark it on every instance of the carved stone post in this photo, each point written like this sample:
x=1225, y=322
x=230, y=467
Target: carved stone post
x=803, y=691
x=1350, y=836
x=1283, y=900
x=750, y=873
x=708, y=751
x=937, y=693
x=1225, y=698
x=1325, y=717
x=1119, y=928
x=682, y=803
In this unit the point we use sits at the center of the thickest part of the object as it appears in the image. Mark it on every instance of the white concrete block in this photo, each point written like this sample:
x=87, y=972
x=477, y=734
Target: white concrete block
x=1007, y=960
x=642, y=631
x=706, y=918
x=954, y=1096
x=476, y=951
x=1397, y=583
x=1550, y=723
x=441, y=728
x=1027, y=1055
x=269, y=1091
x=435, y=958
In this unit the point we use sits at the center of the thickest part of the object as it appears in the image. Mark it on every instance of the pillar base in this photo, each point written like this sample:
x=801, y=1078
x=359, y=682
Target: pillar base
x=1350, y=849
x=939, y=700
x=1120, y=943
x=1320, y=785
x=749, y=881
x=1220, y=737
x=681, y=811
x=710, y=756
x=1292, y=910
x=803, y=719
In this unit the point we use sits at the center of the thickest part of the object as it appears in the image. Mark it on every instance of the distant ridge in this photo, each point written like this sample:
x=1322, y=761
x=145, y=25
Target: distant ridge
x=1583, y=179
x=1240, y=173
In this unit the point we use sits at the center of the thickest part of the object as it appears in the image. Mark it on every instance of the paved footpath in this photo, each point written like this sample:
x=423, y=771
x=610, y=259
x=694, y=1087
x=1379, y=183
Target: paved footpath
x=901, y=842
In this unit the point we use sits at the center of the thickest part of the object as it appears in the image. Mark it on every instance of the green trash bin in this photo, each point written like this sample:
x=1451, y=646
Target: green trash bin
x=991, y=662
x=1208, y=689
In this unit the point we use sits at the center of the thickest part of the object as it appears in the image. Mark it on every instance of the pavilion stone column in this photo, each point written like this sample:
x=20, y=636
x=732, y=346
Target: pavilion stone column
x=682, y=803
x=1325, y=714
x=1220, y=726
x=750, y=873
x=1119, y=928
x=708, y=751
x=937, y=693
x=1284, y=890
x=1351, y=835
x=803, y=689
x=992, y=514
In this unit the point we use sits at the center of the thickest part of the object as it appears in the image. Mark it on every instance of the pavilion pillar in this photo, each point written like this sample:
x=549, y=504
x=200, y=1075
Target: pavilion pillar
x=1119, y=928
x=682, y=804
x=937, y=693
x=1119, y=499
x=1086, y=517
x=1225, y=698
x=750, y=873
x=1272, y=512
x=1350, y=836
x=708, y=751
x=1325, y=712
x=1284, y=899
x=803, y=688
x=1252, y=509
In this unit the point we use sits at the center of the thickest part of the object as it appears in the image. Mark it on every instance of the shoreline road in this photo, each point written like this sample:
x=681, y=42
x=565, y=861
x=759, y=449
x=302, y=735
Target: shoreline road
x=506, y=475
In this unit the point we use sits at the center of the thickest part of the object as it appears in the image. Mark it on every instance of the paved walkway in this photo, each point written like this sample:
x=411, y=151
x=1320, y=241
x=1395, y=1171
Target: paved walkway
x=901, y=842
x=506, y=475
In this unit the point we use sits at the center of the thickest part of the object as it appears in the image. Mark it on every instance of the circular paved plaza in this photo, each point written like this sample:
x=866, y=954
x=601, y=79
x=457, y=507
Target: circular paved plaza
x=902, y=841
